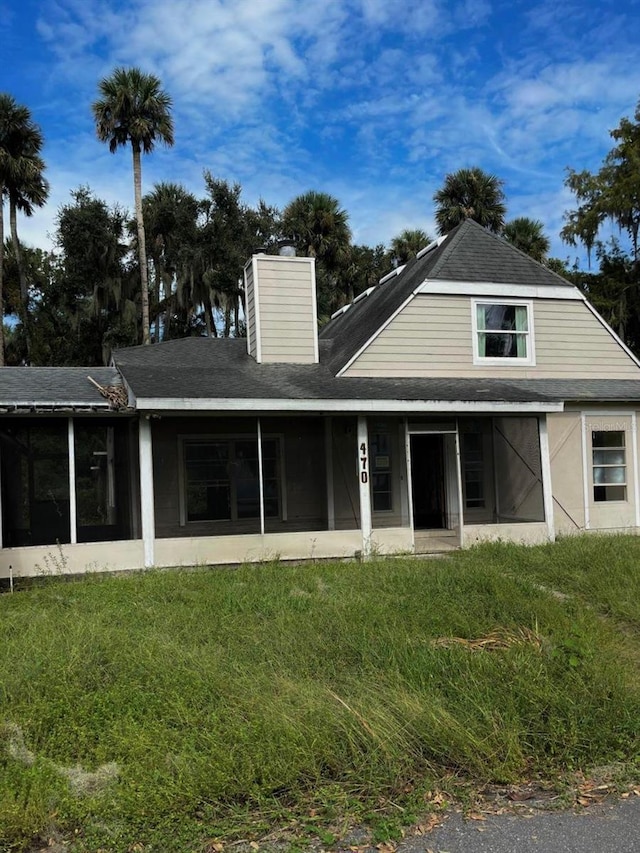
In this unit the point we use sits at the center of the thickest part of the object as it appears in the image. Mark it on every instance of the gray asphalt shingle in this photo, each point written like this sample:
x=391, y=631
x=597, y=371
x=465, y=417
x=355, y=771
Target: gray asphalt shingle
x=55, y=387
x=206, y=368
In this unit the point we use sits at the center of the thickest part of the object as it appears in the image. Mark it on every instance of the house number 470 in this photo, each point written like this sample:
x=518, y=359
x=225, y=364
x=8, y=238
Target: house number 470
x=364, y=474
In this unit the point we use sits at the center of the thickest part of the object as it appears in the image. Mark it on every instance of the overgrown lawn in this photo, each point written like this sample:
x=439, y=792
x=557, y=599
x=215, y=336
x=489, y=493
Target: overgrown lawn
x=165, y=708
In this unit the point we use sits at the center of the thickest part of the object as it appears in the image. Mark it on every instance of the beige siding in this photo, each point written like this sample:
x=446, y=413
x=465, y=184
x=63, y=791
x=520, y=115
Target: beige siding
x=251, y=313
x=286, y=309
x=607, y=515
x=565, y=452
x=432, y=336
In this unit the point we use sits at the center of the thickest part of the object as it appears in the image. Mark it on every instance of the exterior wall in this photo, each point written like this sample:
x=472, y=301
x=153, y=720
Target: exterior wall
x=432, y=337
x=42, y=560
x=525, y=534
x=575, y=508
x=567, y=471
x=196, y=551
x=285, y=292
x=303, y=495
x=252, y=337
x=252, y=548
x=606, y=515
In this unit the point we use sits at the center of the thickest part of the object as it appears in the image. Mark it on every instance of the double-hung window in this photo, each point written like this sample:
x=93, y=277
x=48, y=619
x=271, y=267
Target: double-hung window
x=609, y=465
x=503, y=331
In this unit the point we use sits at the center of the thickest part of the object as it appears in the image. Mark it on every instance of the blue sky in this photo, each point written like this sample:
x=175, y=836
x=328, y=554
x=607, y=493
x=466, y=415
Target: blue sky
x=373, y=101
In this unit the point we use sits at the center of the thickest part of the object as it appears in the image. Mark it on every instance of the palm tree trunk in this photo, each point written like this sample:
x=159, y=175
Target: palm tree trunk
x=1, y=275
x=24, y=288
x=158, y=275
x=142, y=248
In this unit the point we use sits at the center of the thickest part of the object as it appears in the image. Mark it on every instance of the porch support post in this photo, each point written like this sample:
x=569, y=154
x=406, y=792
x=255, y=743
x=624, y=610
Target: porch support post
x=260, y=475
x=409, y=488
x=634, y=451
x=364, y=477
x=73, y=510
x=459, y=485
x=585, y=471
x=1, y=515
x=147, y=505
x=328, y=462
x=547, y=493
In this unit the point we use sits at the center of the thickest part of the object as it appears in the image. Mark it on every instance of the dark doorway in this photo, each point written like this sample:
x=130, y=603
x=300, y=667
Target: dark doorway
x=427, y=482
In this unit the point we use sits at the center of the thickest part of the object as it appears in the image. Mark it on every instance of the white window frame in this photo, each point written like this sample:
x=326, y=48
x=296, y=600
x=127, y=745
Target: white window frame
x=625, y=465
x=515, y=361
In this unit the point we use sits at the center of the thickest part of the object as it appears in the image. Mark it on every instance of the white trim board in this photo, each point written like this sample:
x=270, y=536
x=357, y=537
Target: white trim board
x=314, y=309
x=273, y=406
x=491, y=288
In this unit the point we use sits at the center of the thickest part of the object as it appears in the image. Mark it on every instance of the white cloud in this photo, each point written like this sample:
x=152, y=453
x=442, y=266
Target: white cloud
x=373, y=100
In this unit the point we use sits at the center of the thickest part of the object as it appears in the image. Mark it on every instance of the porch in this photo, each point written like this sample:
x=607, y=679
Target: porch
x=82, y=493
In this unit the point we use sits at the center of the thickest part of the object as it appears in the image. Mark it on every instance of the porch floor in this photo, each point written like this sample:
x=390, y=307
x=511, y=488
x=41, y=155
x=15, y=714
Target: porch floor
x=436, y=541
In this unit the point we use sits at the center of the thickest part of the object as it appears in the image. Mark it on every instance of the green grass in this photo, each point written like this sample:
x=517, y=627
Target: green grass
x=232, y=701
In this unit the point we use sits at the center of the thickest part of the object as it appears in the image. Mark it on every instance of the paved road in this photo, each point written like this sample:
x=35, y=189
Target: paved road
x=609, y=827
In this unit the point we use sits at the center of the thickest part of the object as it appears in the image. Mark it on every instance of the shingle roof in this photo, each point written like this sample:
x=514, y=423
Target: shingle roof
x=208, y=368
x=469, y=254
x=50, y=388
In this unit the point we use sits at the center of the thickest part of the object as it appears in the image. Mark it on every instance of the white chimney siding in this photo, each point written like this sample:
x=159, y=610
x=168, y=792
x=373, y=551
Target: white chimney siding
x=282, y=319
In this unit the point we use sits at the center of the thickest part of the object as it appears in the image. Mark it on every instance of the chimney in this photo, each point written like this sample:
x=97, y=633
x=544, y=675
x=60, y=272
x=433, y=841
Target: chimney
x=282, y=318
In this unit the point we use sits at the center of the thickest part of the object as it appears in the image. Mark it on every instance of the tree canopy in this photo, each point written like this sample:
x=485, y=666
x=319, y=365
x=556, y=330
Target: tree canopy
x=612, y=193
x=134, y=110
x=22, y=181
x=177, y=267
x=528, y=235
x=470, y=194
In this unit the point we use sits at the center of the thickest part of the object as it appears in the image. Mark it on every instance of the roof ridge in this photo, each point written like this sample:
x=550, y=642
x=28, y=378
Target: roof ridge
x=453, y=238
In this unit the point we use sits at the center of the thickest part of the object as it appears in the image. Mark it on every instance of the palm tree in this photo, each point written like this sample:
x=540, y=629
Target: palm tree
x=133, y=109
x=407, y=244
x=528, y=235
x=170, y=215
x=470, y=194
x=22, y=182
x=320, y=228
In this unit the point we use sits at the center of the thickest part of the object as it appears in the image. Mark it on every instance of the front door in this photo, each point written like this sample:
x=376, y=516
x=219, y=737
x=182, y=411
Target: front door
x=428, y=482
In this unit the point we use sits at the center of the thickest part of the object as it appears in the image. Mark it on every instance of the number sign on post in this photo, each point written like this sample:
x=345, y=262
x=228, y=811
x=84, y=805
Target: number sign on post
x=364, y=473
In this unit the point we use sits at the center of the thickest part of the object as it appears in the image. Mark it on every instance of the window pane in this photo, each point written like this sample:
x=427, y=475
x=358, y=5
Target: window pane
x=609, y=475
x=613, y=438
x=610, y=493
x=609, y=456
x=502, y=345
x=506, y=318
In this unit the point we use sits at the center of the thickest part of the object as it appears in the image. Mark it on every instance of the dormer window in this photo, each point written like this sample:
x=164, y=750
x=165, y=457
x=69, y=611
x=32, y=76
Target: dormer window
x=502, y=331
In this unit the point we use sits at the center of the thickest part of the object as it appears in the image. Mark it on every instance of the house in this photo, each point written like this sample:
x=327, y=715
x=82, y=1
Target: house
x=473, y=394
